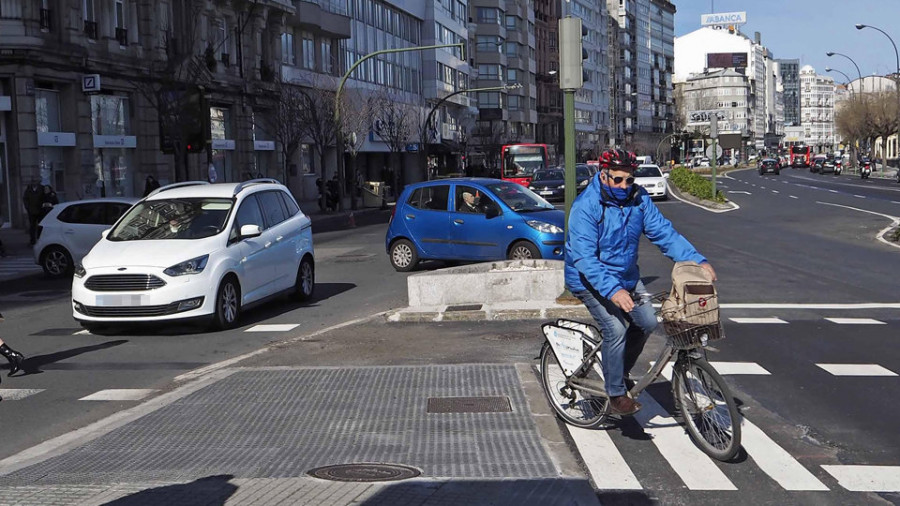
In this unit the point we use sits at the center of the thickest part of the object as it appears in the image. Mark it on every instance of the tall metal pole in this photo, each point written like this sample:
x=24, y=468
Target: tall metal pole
x=896, y=85
x=570, y=179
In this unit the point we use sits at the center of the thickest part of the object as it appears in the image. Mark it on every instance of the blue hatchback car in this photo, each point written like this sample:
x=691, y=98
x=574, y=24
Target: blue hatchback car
x=472, y=219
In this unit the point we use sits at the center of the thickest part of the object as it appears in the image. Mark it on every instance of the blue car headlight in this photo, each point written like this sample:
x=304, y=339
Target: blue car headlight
x=192, y=266
x=544, y=227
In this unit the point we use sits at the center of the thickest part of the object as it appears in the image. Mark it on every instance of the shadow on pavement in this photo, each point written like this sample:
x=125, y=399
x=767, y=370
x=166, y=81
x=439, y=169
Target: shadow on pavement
x=511, y=492
x=210, y=491
x=32, y=365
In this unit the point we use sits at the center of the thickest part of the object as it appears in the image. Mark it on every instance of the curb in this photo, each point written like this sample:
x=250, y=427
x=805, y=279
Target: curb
x=546, y=311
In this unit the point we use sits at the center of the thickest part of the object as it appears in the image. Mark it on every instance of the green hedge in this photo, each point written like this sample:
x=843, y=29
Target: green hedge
x=695, y=184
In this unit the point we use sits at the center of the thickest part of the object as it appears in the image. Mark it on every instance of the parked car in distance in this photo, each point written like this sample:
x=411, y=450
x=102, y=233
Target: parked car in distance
x=200, y=251
x=472, y=219
x=767, y=165
x=653, y=180
x=69, y=231
x=551, y=184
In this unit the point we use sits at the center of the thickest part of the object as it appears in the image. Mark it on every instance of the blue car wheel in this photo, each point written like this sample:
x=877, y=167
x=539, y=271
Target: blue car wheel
x=403, y=256
x=523, y=250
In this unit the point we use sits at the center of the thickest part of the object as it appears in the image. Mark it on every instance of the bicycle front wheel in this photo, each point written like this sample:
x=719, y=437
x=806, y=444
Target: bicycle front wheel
x=707, y=408
x=575, y=407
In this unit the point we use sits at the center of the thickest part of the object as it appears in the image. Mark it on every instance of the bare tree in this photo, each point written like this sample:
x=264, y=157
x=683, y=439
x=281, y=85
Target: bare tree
x=356, y=121
x=176, y=82
x=284, y=124
x=317, y=118
x=852, y=121
x=396, y=122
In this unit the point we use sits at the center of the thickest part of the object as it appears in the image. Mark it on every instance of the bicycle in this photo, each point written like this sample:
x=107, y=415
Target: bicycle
x=572, y=375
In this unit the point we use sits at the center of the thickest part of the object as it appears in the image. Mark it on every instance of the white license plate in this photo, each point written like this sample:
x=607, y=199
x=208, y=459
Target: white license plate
x=545, y=192
x=120, y=300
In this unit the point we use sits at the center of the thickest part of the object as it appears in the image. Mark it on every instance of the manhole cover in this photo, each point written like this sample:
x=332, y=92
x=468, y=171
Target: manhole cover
x=364, y=472
x=468, y=405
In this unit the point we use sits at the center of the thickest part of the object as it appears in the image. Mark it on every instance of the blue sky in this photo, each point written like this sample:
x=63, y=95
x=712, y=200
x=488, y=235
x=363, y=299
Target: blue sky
x=807, y=29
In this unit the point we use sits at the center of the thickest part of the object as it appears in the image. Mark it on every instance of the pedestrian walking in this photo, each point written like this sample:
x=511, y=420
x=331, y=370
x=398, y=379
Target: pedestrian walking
x=150, y=184
x=48, y=200
x=14, y=357
x=33, y=200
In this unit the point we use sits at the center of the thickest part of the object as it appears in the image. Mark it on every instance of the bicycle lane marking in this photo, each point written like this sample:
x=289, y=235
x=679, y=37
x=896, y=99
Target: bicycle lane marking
x=696, y=469
x=599, y=453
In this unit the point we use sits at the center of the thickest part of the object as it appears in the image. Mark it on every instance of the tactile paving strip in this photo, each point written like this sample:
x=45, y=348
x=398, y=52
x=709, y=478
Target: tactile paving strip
x=282, y=423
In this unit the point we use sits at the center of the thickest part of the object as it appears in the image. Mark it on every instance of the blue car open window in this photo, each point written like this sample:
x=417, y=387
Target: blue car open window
x=433, y=198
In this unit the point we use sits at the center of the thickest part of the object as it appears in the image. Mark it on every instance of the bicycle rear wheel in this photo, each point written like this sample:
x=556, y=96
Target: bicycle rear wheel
x=575, y=407
x=707, y=408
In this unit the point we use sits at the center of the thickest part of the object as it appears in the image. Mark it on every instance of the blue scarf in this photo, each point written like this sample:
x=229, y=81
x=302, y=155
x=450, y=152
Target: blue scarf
x=620, y=195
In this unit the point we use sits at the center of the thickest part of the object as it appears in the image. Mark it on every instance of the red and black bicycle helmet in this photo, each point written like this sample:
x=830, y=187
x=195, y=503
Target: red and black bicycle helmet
x=617, y=158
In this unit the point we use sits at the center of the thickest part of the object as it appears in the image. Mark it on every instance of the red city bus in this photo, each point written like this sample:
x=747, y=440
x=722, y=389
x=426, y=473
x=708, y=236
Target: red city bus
x=800, y=156
x=519, y=161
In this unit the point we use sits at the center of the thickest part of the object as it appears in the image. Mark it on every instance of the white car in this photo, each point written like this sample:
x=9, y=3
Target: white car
x=653, y=180
x=71, y=229
x=197, y=251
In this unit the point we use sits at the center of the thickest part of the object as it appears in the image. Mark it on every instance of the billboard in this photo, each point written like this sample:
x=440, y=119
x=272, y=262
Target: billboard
x=723, y=18
x=726, y=60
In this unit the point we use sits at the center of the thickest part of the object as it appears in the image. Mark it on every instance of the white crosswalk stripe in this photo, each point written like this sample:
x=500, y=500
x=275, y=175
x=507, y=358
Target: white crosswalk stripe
x=121, y=394
x=857, y=370
x=757, y=320
x=17, y=394
x=606, y=465
x=273, y=327
x=866, y=478
x=775, y=461
x=16, y=266
x=855, y=321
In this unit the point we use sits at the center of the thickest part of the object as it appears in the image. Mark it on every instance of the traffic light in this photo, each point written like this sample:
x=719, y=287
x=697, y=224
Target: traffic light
x=571, y=53
x=195, y=124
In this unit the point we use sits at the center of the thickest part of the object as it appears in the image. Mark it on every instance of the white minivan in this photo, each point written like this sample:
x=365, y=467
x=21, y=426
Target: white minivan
x=197, y=251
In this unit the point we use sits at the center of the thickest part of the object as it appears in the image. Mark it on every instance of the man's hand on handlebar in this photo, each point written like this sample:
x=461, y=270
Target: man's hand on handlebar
x=623, y=299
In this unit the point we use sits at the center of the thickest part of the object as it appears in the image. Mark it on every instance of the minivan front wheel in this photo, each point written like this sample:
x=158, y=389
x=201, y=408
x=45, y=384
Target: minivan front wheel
x=523, y=250
x=228, y=304
x=403, y=256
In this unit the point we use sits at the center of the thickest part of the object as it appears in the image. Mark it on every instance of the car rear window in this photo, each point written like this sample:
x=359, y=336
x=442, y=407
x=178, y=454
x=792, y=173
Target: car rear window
x=434, y=198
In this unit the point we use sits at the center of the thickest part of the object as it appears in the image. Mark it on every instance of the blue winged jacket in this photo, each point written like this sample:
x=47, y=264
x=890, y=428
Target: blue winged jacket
x=603, y=239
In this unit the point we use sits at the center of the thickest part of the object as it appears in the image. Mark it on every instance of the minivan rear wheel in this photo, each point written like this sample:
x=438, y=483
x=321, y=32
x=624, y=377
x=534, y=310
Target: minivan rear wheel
x=306, y=280
x=403, y=256
x=523, y=250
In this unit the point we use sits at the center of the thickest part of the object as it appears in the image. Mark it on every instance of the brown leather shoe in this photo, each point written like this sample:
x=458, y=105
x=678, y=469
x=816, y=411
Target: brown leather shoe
x=624, y=405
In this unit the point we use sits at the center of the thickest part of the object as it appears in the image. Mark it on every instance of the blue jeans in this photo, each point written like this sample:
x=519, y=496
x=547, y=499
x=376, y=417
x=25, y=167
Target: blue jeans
x=624, y=335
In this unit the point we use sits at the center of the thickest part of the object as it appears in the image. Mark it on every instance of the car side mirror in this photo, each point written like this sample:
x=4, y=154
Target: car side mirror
x=248, y=231
x=491, y=211
x=666, y=175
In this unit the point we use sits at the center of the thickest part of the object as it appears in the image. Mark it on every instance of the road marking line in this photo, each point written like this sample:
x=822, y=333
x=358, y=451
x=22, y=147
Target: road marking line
x=863, y=305
x=741, y=191
x=895, y=202
x=775, y=461
x=696, y=469
x=857, y=370
x=284, y=327
x=757, y=320
x=132, y=394
x=84, y=332
x=17, y=394
x=855, y=321
x=793, y=196
x=600, y=454
x=866, y=478
x=860, y=196
x=732, y=368
x=833, y=191
x=775, y=191
x=895, y=221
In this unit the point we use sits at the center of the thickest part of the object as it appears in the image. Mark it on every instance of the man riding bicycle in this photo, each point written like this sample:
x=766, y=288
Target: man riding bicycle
x=604, y=231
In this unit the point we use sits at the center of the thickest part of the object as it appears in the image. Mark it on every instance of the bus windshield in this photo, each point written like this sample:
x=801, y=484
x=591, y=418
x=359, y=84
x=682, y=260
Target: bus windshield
x=522, y=161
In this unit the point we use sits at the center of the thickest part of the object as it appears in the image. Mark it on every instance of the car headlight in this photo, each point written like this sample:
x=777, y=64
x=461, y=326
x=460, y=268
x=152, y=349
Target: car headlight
x=544, y=227
x=661, y=184
x=79, y=271
x=192, y=266
x=584, y=183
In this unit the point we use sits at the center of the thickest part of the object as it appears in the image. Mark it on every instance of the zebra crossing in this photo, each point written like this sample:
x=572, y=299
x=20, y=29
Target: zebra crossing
x=15, y=266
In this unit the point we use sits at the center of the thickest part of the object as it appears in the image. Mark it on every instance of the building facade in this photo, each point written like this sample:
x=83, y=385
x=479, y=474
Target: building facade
x=789, y=69
x=817, y=110
x=85, y=87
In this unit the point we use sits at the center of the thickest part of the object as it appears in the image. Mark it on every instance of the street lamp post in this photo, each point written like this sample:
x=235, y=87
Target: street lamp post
x=428, y=118
x=337, y=99
x=860, y=26
x=862, y=89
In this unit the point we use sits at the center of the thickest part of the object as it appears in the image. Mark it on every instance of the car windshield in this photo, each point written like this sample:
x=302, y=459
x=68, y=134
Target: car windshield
x=173, y=219
x=647, y=171
x=519, y=198
x=548, y=175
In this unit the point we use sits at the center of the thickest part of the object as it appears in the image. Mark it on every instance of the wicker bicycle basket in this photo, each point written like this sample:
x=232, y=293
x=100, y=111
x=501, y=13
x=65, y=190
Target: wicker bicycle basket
x=692, y=325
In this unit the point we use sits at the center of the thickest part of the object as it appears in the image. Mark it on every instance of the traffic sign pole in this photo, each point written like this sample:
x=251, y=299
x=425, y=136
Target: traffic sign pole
x=714, y=134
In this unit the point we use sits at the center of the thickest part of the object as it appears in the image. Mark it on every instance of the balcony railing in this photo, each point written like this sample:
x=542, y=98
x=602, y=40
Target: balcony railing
x=45, y=20
x=122, y=36
x=90, y=29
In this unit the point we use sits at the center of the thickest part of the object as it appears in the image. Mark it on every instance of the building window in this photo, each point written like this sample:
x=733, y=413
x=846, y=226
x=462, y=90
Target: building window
x=288, y=57
x=512, y=76
x=490, y=100
x=88, y=10
x=510, y=22
x=46, y=110
x=488, y=15
x=488, y=43
x=309, y=51
x=512, y=49
x=489, y=71
x=514, y=102
x=326, y=56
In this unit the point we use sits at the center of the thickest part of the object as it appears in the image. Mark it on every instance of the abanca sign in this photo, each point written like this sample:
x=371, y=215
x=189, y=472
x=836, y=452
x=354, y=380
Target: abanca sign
x=723, y=18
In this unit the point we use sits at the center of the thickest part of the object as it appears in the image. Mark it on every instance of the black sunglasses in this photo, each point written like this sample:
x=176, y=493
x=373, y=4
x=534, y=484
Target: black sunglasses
x=619, y=179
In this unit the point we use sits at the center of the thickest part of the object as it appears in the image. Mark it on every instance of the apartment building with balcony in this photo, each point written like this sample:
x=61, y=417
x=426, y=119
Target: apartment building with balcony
x=644, y=109
x=80, y=88
x=789, y=70
x=549, y=130
x=502, y=33
x=817, y=109
x=592, y=101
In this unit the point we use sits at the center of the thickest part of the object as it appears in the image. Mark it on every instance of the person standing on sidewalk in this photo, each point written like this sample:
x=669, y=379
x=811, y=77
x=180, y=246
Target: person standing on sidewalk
x=48, y=200
x=14, y=357
x=605, y=227
x=33, y=199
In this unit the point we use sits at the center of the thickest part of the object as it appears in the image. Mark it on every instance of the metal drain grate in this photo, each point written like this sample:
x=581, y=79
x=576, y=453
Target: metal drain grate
x=364, y=472
x=465, y=307
x=468, y=405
